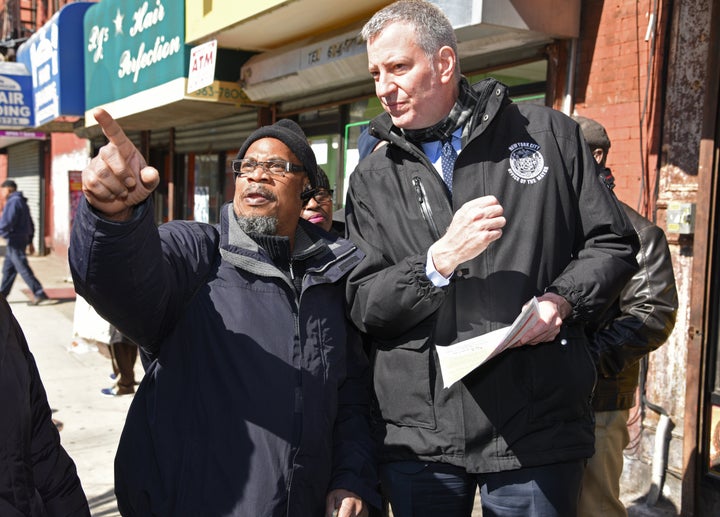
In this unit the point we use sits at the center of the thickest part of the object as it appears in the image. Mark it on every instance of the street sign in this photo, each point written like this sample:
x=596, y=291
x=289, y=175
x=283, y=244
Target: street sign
x=202, y=66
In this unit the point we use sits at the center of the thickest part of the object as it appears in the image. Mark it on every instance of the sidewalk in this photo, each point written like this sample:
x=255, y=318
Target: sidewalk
x=91, y=422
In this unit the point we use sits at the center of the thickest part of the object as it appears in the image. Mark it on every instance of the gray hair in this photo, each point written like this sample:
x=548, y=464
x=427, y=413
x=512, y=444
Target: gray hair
x=432, y=28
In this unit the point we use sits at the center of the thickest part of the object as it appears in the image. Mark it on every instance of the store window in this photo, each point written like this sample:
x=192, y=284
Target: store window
x=714, y=439
x=205, y=194
x=361, y=113
x=711, y=395
x=527, y=81
x=327, y=154
x=712, y=429
x=322, y=128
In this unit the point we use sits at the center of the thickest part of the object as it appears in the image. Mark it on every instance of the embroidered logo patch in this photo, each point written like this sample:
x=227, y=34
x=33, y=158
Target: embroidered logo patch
x=527, y=165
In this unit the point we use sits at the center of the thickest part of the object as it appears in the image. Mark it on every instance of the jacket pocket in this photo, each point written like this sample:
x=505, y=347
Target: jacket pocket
x=561, y=378
x=403, y=381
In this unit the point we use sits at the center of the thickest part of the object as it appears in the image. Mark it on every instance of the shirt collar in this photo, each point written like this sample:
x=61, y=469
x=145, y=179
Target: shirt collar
x=433, y=149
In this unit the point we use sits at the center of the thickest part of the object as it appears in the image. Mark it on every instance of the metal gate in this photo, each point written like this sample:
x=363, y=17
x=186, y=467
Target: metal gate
x=25, y=167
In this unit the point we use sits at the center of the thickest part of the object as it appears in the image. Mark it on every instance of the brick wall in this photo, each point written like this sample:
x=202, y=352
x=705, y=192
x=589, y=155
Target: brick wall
x=611, y=83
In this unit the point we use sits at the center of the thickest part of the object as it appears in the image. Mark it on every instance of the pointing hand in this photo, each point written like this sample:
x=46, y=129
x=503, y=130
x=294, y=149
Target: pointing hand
x=118, y=178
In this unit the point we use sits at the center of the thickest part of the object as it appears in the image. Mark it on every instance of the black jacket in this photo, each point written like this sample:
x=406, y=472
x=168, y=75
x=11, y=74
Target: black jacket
x=565, y=233
x=37, y=477
x=639, y=321
x=257, y=400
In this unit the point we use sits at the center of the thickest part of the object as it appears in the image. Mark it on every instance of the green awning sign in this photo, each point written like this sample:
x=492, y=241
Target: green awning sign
x=132, y=46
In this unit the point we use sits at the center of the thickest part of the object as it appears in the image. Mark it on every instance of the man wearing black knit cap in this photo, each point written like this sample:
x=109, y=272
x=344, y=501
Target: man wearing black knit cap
x=256, y=400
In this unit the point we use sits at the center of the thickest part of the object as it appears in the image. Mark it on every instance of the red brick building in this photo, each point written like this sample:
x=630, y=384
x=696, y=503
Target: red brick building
x=648, y=71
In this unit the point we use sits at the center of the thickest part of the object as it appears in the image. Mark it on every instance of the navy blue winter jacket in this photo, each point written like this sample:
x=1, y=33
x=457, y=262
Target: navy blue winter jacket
x=37, y=477
x=16, y=224
x=257, y=399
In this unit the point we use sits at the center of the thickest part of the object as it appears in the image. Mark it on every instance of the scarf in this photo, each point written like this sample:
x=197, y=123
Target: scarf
x=459, y=114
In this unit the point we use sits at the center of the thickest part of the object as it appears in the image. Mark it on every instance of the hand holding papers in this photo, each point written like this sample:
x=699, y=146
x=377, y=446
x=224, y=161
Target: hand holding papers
x=457, y=360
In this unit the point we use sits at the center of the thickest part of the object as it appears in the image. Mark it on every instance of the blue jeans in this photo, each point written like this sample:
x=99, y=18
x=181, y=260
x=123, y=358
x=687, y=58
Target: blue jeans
x=418, y=489
x=16, y=262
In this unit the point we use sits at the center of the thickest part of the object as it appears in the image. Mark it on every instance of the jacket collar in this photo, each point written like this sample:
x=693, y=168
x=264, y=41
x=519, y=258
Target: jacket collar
x=327, y=256
x=491, y=98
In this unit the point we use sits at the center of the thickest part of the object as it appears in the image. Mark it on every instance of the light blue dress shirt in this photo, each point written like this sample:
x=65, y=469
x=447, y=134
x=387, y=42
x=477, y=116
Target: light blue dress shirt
x=433, y=150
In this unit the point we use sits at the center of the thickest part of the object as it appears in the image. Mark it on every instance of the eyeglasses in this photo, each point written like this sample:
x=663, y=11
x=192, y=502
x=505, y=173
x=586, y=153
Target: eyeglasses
x=245, y=166
x=323, y=196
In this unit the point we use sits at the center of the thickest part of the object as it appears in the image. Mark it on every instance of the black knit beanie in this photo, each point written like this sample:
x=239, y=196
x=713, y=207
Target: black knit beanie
x=292, y=135
x=322, y=181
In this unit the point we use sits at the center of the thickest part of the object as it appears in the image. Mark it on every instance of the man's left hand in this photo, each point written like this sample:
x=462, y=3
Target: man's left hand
x=553, y=310
x=30, y=249
x=343, y=503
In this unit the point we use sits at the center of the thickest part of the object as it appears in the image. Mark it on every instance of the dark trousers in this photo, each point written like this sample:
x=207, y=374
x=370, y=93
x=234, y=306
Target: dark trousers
x=420, y=489
x=123, y=355
x=16, y=262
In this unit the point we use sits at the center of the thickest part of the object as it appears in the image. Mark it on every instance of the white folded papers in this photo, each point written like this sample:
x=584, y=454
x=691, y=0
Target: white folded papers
x=457, y=360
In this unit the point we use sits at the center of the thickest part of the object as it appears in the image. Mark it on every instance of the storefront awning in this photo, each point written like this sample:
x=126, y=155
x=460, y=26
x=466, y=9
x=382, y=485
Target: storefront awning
x=177, y=110
x=307, y=67
x=51, y=56
x=9, y=137
x=339, y=58
x=137, y=63
x=264, y=25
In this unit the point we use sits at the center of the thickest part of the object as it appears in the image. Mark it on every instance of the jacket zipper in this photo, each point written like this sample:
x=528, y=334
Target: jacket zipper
x=425, y=207
x=298, y=393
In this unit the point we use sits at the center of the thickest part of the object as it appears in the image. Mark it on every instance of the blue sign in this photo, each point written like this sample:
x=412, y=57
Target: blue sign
x=52, y=56
x=16, y=107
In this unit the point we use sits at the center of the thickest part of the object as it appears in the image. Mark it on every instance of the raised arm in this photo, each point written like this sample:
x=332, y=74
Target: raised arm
x=118, y=178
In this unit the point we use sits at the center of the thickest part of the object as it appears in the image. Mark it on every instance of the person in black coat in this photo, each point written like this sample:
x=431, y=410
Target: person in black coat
x=640, y=320
x=474, y=207
x=256, y=400
x=37, y=477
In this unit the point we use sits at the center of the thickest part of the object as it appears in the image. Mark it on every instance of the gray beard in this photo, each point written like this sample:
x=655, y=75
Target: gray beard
x=262, y=225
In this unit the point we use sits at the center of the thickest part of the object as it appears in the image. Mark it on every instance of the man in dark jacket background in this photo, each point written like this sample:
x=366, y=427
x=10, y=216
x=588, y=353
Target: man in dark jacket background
x=638, y=322
x=37, y=477
x=475, y=206
x=256, y=400
x=16, y=225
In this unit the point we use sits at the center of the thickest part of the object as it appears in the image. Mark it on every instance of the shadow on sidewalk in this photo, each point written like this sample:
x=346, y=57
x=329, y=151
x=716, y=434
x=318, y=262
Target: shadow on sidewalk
x=103, y=504
x=55, y=295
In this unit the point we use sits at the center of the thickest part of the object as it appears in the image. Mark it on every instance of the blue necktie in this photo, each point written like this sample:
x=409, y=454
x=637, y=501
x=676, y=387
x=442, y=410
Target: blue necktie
x=448, y=162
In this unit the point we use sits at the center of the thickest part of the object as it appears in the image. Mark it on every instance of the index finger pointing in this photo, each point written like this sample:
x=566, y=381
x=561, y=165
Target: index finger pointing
x=112, y=130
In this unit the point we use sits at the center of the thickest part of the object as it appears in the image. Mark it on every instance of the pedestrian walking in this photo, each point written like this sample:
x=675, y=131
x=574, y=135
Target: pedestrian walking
x=123, y=355
x=16, y=226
